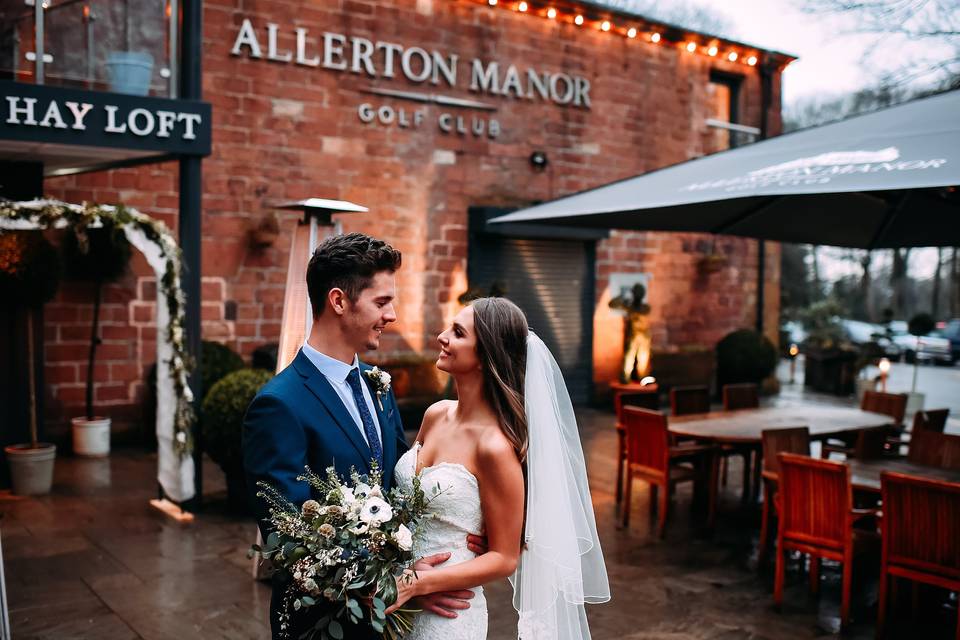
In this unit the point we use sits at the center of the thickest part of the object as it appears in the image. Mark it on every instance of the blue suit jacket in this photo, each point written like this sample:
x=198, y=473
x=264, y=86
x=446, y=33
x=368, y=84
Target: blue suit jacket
x=298, y=420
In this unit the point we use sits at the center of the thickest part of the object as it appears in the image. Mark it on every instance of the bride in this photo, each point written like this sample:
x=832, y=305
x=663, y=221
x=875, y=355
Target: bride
x=506, y=457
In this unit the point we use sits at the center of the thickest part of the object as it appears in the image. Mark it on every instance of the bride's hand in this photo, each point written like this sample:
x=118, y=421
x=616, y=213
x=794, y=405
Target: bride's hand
x=407, y=584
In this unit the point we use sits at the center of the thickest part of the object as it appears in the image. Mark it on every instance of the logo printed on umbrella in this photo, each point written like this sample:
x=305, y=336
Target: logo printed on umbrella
x=833, y=158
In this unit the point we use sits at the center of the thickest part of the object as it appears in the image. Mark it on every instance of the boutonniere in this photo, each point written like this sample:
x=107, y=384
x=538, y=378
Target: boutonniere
x=381, y=383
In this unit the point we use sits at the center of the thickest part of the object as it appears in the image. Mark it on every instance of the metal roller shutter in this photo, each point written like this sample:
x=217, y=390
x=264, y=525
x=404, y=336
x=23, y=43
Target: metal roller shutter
x=552, y=281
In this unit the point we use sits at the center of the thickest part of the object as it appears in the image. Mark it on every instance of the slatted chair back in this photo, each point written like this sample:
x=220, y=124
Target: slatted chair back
x=931, y=420
x=815, y=500
x=688, y=400
x=870, y=444
x=790, y=440
x=889, y=404
x=950, y=456
x=740, y=396
x=644, y=400
x=921, y=524
x=648, y=438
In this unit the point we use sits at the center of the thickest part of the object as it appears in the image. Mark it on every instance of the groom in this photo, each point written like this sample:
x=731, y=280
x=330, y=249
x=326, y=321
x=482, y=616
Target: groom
x=323, y=410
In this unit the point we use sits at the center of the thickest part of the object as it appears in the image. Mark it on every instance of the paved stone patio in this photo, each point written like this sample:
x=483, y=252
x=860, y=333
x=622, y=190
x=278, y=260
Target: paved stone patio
x=92, y=560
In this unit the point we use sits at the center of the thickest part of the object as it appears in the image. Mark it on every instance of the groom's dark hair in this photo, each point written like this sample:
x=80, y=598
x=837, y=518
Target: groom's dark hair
x=347, y=262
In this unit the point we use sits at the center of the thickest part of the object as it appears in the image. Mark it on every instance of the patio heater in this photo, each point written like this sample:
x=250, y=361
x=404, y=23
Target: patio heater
x=316, y=225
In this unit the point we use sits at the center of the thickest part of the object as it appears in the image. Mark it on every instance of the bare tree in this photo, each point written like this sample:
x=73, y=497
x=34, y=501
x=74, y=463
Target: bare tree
x=935, y=298
x=866, y=285
x=934, y=23
x=899, y=280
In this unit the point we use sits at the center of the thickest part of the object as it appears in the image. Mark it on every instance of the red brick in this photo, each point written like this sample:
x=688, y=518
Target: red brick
x=110, y=392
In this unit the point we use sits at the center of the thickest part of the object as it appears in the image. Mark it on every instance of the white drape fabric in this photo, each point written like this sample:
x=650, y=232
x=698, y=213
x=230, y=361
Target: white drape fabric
x=561, y=566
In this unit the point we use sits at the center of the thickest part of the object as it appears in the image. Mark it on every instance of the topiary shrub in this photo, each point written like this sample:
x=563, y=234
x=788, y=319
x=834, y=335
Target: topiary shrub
x=216, y=361
x=745, y=356
x=223, y=410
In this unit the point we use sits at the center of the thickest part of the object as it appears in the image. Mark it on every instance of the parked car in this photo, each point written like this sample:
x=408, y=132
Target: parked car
x=951, y=331
x=930, y=347
x=872, y=338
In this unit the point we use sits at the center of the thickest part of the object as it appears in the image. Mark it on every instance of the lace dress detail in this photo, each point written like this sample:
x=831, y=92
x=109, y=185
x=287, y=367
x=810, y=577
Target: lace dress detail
x=453, y=514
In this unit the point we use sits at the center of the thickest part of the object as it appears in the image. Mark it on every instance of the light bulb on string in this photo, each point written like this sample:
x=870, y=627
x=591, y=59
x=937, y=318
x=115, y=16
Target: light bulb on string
x=732, y=57
x=522, y=7
x=712, y=51
x=578, y=20
x=605, y=25
x=691, y=46
x=551, y=13
x=632, y=32
x=655, y=38
x=752, y=60
x=492, y=3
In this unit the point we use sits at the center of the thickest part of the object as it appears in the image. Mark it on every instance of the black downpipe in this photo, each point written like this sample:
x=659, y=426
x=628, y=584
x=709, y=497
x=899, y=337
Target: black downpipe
x=191, y=88
x=766, y=99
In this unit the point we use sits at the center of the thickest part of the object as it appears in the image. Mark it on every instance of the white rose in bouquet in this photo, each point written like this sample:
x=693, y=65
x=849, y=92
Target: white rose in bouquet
x=404, y=538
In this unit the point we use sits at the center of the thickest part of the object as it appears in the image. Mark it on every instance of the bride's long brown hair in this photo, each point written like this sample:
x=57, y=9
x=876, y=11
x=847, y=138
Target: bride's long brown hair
x=502, y=349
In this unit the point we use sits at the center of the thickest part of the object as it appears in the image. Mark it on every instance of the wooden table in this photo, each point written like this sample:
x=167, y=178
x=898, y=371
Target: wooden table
x=865, y=474
x=745, y=426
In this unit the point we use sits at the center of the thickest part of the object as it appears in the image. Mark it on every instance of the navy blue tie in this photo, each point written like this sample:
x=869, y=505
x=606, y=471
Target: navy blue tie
x=369, y=427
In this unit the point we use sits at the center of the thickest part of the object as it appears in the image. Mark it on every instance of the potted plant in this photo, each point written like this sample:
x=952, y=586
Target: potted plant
x=920, y=325
x=29, y=275
x=99, y=256
x=129, y=71
x=830, y=363
x=223, y=409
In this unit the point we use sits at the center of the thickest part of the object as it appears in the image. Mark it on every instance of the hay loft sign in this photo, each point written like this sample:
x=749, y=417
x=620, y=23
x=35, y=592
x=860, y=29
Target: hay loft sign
x=40, y=113
x=433, y=70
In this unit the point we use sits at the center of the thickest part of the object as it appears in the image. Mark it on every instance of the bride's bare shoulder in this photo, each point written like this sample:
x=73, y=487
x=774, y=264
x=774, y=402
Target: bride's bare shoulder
x=434, y=414
x=494, y=445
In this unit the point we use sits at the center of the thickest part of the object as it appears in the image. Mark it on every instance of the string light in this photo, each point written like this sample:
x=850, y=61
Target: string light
x=552, y=13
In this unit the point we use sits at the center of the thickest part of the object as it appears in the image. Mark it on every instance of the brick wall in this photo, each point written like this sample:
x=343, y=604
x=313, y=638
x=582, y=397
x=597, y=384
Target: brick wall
x=284, y=132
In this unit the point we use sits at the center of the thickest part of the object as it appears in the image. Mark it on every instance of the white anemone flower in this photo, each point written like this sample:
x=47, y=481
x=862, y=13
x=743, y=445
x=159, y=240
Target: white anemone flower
x=376, y=511
x=348, y=497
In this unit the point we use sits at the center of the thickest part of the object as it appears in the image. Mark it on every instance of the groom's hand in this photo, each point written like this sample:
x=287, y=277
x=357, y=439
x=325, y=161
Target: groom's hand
x=478, y=544
x=447, y=603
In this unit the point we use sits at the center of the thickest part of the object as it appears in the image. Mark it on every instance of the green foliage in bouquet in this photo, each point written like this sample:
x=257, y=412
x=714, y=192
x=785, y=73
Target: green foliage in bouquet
x=345, y=550
x=223, y=409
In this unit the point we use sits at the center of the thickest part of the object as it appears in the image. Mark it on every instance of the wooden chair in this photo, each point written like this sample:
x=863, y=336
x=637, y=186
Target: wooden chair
x=740, y=396
x=687, y=400
x=920, y=529
x=889, y=404
x=620, y=400
x=815, y=504
x=935, y=449
x=653, y=457
x=931, y=420
x=790, y=440
x=934, y=420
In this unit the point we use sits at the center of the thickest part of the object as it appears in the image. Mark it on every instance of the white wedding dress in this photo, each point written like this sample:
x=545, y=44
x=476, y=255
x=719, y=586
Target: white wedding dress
x=454, y=513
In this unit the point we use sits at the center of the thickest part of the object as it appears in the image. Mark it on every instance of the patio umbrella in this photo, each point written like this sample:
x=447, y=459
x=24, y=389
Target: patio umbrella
x=883, y=180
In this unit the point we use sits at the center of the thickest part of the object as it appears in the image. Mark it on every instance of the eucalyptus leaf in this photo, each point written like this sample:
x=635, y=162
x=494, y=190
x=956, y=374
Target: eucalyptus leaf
x=336, y=631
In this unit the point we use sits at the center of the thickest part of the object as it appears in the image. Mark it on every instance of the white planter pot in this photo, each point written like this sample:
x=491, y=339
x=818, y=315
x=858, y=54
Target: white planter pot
x=915, y=402
x=91, y=438
x=31, y=470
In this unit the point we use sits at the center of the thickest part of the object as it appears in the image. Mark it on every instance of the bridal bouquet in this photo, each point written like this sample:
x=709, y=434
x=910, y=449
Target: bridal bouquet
x=344, y=551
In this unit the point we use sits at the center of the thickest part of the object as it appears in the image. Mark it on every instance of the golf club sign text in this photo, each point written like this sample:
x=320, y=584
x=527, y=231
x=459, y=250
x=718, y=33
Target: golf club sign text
x=431, y=72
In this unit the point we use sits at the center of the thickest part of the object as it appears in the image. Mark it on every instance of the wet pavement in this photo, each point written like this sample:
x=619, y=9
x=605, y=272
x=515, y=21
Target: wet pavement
x=92, y=560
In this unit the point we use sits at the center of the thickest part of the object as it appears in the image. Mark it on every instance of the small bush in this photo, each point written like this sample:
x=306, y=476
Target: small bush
x=223, y=411
x=30, y=268
x=216, y=361
x=745, y=356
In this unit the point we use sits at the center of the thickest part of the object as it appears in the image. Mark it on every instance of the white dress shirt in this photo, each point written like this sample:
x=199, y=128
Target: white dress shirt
x=336, y=373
